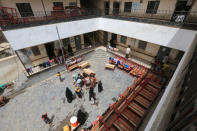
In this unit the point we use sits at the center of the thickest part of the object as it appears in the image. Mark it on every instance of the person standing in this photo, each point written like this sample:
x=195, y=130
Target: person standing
x=91, y=94
x=69, y=95
x=78, y=91
x=128, y=50
x=59, y=76
x=100, y=86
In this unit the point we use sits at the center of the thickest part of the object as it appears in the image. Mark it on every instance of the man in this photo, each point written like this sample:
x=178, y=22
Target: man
x=128, y=50
x=165, y=59
x=91, y=94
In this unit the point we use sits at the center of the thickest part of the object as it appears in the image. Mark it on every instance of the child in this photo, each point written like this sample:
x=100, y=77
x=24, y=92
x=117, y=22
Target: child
x=78, y=92
x=100, y=86
x=59, y=75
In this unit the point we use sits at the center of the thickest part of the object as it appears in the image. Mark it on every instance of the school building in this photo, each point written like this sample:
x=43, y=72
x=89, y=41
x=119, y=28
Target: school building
x=41, y=30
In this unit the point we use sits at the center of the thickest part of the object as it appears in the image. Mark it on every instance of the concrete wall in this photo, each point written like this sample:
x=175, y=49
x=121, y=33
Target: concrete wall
x=10, y=68
x=161, y=35
x=43, y=57
x=36, y=5
x=38, y=59
x=27, y=37
x=162, y=113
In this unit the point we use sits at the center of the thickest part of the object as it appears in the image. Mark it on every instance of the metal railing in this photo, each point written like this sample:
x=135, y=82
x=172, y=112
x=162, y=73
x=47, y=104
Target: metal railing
x=71, y=14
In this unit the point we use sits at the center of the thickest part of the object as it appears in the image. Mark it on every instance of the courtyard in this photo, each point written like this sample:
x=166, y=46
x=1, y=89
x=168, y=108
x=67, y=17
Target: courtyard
x=24, y=111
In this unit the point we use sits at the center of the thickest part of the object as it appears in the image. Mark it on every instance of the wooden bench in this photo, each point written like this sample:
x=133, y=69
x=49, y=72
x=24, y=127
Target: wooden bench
x=137, y=109
x=88, y=71
x=72, y=67
x=111, y=119
x=152, y=89
x=123, y=125
x=84, y=64
x=155, y=84
x=145, y=103
x=130, y=116
x=110, y=66
x=148, y=95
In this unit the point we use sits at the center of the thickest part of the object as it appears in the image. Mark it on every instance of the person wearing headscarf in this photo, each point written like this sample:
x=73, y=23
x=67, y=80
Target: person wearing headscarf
x=69, y=95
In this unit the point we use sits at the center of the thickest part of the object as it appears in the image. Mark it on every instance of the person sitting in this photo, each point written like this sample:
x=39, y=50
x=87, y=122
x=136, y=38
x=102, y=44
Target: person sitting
x=79, y=82
x=100, y=86
x=75, y=77
x=93, y=80
x=78, y=91
x=87, y=81
x=69, y=95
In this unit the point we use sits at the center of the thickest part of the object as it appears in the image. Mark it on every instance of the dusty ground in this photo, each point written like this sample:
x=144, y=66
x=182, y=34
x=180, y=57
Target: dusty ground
x=23, y=112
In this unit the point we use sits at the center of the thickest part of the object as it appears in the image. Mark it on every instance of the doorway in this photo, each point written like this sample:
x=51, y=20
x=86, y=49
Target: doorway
x=181, y=10
x=114, y=36
x=116, y=6
x=50, y=50
x=163, y=51
x=106, y=7
x=78, y=42
x=105, y=37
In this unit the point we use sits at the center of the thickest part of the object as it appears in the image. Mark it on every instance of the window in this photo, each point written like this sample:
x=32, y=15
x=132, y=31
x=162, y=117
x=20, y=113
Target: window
x=142, y=44
x=123, y=39
x=152, y=7
x=35, y=50
x=25, y=9
x=127, y=6
x=72, y=4
x=58, y=4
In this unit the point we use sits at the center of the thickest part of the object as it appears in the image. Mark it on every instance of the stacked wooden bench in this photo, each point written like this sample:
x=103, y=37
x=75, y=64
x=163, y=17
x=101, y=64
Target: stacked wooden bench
x=130, y=113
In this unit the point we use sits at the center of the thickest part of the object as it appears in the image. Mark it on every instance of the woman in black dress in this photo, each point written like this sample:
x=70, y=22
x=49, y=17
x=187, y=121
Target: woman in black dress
x=69, y=95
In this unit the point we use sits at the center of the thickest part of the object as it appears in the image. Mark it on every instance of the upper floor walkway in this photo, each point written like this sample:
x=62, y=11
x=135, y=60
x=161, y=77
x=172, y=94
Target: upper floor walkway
x=11, y=19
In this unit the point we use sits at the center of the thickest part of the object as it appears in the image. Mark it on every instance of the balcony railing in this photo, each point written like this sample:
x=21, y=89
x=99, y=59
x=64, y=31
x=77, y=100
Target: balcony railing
x=69, y=14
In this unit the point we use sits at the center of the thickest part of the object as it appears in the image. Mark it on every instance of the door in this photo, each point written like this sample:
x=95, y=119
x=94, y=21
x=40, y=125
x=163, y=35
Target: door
x=50, y=50
x=105, y=37
x=182, y=9
x=163, y=51
x=106, y=7
x=114, y=36
x=78, y=42
x=116, y=6
x=25, y=9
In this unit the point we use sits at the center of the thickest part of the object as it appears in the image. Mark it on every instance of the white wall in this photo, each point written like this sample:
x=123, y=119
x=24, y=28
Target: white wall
x=162, y=35
x=27, y=37
x=157, y=34
x=10, y=68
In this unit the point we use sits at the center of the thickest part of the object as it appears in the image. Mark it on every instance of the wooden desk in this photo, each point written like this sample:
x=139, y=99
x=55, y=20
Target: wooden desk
x=88, y=71
x=73, y=67
x=83, y=64
x=110, y=66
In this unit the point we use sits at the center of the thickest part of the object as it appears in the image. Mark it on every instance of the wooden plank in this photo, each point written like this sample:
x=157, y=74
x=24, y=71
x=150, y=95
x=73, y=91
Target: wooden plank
x=145, y=103
x=112, y=129
x=123, y=125
x=155, y=84
x=148, y=95
x=152, y=89
x=73, y=67
x=111, y=119
x=132, y=117
x=137, y=109
x=110, y=66
x=122, y=106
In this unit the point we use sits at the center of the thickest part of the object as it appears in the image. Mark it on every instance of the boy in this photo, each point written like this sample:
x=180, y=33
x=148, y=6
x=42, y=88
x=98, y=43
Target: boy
x=128, y=50
x=59, y=75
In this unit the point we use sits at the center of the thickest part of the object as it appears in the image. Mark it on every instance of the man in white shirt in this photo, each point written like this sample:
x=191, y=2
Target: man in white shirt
x=128, y=50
